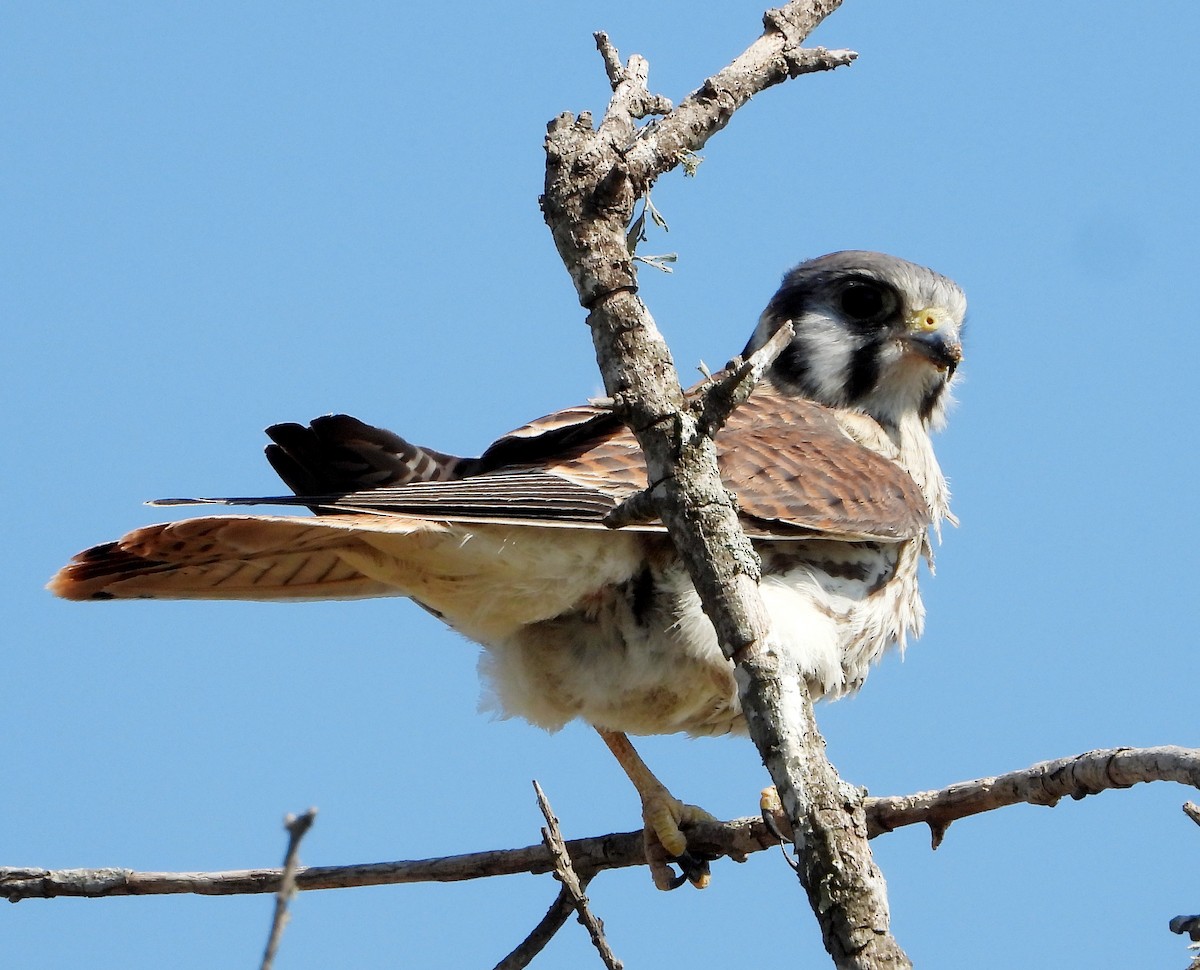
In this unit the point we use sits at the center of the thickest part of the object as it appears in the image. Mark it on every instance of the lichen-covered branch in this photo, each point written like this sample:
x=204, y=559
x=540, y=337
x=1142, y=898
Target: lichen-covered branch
x=1041, y=784
x=594, y=176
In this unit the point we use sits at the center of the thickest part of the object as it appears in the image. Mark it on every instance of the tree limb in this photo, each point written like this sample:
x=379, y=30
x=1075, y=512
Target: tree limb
x=1042, y=784
x=593, y=179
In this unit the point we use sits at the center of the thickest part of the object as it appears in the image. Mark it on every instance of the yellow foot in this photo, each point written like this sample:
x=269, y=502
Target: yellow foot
x=665, y=817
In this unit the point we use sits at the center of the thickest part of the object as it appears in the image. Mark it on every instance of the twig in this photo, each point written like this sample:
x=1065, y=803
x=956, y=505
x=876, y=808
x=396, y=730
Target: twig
x=1040, y=784
x=718, y=398
x=712, y=405
x=629, y=83
x=565, y=873
x=297, y=826
x=556, y=916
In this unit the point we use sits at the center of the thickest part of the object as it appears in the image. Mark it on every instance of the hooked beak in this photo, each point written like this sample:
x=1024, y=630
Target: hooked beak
x=930, y=334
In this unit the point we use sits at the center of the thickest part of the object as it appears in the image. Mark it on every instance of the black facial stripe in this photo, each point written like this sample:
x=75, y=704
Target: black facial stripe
x=791, y=368
x=864, y=372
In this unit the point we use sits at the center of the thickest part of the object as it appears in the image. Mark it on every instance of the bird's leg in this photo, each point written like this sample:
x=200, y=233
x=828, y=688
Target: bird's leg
x=663, y=815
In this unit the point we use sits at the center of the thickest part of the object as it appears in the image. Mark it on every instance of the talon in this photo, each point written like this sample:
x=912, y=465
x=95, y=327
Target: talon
x=665, y=816
x=773, y=815
x=695, y=870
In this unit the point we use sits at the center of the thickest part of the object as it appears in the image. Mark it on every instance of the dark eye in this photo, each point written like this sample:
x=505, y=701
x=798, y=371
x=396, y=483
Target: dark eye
x=862, y=301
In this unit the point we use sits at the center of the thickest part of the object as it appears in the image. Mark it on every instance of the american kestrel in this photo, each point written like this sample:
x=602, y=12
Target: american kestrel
x=836, y=483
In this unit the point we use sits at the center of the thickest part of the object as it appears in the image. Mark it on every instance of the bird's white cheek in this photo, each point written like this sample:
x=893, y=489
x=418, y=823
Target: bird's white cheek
x=829, y=356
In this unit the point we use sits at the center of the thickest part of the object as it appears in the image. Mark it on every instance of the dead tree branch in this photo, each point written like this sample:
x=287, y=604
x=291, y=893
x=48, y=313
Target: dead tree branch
x=297, y=826
x=1041, y=784
x=594, y=177
x=554, y=920
x=564, y=872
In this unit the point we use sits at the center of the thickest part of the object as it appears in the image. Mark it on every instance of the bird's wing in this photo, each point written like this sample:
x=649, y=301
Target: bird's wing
x=795, y=473
x=792, y=466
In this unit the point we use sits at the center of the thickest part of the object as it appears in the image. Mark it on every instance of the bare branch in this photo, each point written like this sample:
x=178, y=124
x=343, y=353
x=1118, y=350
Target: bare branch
x=1041, y=784
x=297, y=826
x=633, y=98
x=775, y=57
x=556, y=916
x=717, y=399
x=711, y=405
x=593, y=180
x=565, y=873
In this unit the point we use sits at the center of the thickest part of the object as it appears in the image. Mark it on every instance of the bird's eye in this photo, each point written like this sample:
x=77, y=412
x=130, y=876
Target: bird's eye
x=862, y=301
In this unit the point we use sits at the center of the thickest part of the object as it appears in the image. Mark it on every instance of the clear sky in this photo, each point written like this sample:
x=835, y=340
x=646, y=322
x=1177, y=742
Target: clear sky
x=219, y=216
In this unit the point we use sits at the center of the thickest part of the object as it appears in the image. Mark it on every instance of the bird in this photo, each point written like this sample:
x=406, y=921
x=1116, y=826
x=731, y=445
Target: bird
x=830, y=460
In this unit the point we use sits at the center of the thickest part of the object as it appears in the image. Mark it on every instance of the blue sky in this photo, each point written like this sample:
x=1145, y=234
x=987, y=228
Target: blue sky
x=219, y=216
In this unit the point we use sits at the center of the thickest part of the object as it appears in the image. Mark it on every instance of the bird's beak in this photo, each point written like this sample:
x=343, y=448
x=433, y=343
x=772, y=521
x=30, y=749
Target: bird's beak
x=931, y=333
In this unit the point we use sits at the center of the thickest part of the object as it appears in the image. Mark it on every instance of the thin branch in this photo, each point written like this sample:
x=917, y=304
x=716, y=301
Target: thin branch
x=775, y=57
x=1040, y=784
x=297, y=826
x=629, y=83
x=554, y=920
x=717, y=399
x=565, y=873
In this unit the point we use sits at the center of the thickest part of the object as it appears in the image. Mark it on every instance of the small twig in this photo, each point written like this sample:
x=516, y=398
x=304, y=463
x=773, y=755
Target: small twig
x=565, y=873
x=612, y=60
x=718, y=399
x=556, y=916
x=712, y=404
x=1041, y=784
x=297, y=826
x=628, y=82
x=1192, y=811
x=638, y=509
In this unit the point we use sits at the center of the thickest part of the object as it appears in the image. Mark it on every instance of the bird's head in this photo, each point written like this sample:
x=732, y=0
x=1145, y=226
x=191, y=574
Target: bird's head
x=872, y=332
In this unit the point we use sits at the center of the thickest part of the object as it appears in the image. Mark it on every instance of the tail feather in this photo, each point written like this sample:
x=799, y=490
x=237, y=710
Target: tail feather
x=485, y=580
x=231, y=557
